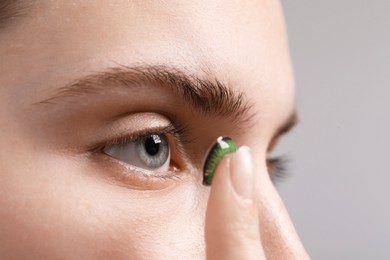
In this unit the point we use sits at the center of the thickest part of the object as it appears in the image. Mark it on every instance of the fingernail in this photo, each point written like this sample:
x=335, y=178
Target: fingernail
x=223, y=146
x=242, y=172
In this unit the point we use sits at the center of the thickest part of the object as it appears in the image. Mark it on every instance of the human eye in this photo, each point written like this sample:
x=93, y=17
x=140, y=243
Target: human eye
x=147, y=155
x=149, y=152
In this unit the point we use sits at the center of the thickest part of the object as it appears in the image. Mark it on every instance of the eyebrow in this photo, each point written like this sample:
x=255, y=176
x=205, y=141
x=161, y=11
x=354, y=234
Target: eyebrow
x=210, y=97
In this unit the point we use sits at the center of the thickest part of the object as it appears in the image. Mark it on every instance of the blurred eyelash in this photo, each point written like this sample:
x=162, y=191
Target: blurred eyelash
x=278, y=168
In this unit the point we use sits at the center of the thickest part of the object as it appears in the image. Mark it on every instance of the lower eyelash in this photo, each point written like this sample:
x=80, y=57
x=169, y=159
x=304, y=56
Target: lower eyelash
x=159, y=176
x=278, y=168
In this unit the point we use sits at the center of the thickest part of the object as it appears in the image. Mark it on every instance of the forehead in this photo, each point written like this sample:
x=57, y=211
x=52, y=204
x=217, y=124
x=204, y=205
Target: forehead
x=239, y=42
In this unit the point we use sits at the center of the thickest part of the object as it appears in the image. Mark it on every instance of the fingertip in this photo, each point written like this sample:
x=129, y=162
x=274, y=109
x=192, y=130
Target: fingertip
x=232, y=228
x=242, y=173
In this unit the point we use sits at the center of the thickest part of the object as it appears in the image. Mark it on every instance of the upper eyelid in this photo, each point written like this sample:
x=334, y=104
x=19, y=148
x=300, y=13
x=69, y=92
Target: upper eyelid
x=291, y=121
x=139, y=134
x=129, y=137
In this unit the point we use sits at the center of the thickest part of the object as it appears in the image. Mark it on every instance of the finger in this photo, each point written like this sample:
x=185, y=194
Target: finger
x=232, y=225
x=280, y=240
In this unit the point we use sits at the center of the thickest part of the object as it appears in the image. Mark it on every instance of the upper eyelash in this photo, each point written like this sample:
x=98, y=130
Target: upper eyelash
x=178, y=132
x=169, y=129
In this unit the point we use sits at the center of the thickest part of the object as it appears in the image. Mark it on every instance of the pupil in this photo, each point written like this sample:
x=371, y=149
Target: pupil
x=151, y=146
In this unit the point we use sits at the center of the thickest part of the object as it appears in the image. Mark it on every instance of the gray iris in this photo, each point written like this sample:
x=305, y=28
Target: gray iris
x=153, y=150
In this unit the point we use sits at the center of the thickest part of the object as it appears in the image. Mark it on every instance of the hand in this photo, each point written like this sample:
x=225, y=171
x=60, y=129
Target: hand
x=245, y=217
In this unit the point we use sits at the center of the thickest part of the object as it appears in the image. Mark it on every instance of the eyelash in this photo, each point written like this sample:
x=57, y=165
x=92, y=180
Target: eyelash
x=178, y=133
x=278, y=168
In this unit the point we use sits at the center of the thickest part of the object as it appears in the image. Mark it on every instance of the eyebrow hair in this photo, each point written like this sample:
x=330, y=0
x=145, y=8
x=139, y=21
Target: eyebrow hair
x=209, y=97
x=10, y=10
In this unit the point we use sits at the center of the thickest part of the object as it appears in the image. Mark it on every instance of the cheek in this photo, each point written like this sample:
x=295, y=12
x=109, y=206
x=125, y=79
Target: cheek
x=159, y=225
x=52, y=208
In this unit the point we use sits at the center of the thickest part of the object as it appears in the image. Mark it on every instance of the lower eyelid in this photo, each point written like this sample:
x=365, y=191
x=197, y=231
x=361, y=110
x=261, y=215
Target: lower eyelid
x=121, y=174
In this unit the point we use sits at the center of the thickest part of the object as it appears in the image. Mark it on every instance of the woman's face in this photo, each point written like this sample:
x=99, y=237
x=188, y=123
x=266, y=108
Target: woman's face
x=86, y=86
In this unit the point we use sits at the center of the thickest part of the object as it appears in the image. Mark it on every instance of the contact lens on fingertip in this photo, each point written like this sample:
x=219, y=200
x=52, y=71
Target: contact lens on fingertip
x=223, y=146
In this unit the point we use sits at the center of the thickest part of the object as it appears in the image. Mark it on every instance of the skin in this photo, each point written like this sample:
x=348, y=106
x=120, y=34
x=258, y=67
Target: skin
x=57, y=202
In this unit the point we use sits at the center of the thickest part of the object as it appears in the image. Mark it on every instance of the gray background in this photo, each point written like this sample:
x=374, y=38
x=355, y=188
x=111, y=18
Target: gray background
x=339, y=190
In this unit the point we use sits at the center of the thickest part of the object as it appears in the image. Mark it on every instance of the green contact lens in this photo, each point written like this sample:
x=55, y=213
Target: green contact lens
x=223, y=146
